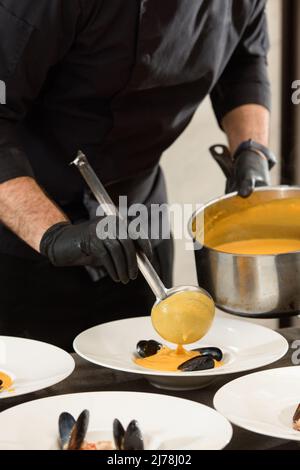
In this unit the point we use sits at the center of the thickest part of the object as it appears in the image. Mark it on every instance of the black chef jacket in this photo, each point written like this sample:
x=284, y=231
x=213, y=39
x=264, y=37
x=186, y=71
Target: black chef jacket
x=119, y=79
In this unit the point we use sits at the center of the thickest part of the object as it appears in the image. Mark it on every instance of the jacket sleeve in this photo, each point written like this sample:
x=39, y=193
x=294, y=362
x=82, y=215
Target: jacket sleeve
x=31, y=43
x=245, y=78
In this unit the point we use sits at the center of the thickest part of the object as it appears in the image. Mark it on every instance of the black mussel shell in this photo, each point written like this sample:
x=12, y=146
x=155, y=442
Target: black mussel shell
x=72, y=433
x=133, y=439
x=216, y=353
x=119, y=433
x=66, y=424
x=197, y=363
x=148, y=348
x=79, y=431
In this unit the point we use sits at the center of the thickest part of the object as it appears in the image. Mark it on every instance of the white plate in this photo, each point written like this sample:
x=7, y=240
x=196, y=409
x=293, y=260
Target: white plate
x=166, y=422
x=245, y=346
x=264, y=402
x=32, y=364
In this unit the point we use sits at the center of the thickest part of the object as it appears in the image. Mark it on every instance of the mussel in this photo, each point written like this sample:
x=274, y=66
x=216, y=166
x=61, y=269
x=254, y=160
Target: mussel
x=216, y=353
x=197, y=363
x=148, y=348
x=71, y=432
x=296, y=419
x=131, y=439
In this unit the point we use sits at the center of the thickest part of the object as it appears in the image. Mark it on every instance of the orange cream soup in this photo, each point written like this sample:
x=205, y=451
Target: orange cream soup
x=168, y=360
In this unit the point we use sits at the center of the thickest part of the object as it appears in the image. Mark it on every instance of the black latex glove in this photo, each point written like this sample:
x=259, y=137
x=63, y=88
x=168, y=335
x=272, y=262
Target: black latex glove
x=244, y=171
x=79, y=245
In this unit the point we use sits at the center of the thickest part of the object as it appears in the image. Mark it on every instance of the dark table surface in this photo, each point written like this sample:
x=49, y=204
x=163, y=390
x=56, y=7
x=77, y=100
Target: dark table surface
x=89, y=378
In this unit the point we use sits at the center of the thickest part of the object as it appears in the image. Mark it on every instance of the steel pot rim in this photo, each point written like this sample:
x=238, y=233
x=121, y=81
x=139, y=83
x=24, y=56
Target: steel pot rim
x=229, y=196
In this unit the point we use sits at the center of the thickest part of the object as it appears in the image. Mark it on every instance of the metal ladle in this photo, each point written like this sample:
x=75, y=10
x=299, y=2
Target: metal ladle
x=144, y=265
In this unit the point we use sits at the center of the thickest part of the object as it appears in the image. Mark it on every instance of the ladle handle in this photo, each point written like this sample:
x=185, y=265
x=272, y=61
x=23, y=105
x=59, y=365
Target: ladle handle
x=100, y=193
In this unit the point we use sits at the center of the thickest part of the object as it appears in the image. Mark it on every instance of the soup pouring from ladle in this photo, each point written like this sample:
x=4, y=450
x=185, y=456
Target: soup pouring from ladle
x=181, y=315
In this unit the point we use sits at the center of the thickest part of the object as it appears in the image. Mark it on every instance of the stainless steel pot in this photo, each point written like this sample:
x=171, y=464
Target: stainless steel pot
x=264, y=286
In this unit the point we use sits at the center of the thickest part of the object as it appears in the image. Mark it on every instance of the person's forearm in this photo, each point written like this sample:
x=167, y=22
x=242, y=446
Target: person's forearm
x=247, y=122
x=27, y=211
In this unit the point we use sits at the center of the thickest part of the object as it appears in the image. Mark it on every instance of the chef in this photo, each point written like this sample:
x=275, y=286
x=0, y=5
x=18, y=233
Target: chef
x=120, y=80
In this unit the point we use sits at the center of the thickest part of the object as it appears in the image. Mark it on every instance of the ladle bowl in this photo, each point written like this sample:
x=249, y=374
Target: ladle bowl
x=183, y=320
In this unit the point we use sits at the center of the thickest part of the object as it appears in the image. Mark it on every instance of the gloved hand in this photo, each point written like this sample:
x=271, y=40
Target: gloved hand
x=66, y=244
x=247, y=169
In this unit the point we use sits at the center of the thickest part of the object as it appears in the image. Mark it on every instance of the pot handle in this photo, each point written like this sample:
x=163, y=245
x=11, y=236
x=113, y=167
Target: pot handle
x=222, y=156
